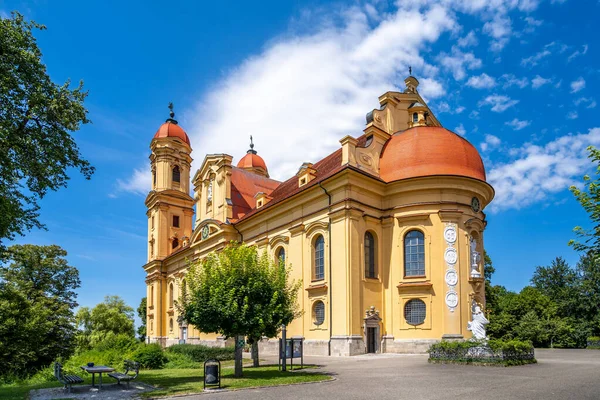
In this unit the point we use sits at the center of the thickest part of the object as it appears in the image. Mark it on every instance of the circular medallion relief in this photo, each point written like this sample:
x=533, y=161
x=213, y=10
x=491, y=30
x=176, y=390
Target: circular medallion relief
x=451, y=299
x=451, y=277
x=450, y=255
x=475, y=205
x=205, y=232
x=450, y=234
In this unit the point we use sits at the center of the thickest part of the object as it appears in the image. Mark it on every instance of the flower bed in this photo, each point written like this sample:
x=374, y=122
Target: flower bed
x=492, y=352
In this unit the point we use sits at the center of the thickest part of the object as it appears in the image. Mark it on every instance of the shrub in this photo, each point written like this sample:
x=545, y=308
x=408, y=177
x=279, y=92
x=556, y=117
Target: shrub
x=150, y=356
x=200, y=353
x=181, y=361
x=512, y=352
x=593, y=342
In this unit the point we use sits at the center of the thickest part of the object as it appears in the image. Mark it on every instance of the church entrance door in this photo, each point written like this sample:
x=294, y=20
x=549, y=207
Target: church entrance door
x=371, y=340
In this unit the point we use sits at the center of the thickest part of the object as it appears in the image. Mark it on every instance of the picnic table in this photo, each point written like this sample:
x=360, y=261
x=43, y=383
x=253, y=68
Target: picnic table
x=97, y=369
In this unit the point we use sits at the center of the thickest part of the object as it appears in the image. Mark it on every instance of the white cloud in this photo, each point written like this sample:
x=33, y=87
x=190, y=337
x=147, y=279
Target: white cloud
x=499, y=103
x=483, y=81
x=431, y=89
x=517, y=124
x=474, y=114
x=490, y=142
x=500, y=29
x=539, y=171
x=535, y=59
x=572, y=115
x=511, y=80
x=577, y=85
x=591, y=103
x=469, y=40
x=578, y=53
x=460, y=109
x=538, y=82
x=532, y=22
x=138, y=183
x=458, y=62
x=297, y=106
x=528, y=5
x=460, y=130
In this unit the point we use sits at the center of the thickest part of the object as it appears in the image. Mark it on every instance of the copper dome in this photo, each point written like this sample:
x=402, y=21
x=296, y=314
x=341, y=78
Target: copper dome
x=251, y=160
x=171, y=129
x=427, y=151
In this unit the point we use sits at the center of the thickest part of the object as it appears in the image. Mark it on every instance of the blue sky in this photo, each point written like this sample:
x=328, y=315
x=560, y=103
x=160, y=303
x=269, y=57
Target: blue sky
x=517, y=78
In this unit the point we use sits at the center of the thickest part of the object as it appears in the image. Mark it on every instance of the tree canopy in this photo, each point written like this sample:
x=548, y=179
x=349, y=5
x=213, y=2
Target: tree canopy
x=142, y=312
x=105, y=321
x=36, y=119
x=238, y=292
x=37, y=299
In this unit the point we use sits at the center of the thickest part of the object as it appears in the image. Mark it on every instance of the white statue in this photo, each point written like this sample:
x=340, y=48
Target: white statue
x=477, y=326
x=475, y=259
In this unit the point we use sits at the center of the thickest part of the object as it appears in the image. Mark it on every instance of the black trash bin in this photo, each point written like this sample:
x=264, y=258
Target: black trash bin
x=212, y=373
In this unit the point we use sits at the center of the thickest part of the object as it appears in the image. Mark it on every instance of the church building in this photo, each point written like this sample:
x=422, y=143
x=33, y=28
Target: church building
x=385, y=233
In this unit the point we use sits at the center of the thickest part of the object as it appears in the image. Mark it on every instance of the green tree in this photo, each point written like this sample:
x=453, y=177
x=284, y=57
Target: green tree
x=589, y=198
x=36, y=119
x=238, y=293
x=45, y=285
x=104, y=322
x=560, y=283
x=142, y=312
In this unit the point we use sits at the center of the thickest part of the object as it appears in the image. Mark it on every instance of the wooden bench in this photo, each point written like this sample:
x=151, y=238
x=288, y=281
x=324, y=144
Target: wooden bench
x=67, y=380
x=132, y=370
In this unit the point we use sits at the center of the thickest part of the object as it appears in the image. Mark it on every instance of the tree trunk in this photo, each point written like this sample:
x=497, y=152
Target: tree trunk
x=238, y=373
x=255, y=361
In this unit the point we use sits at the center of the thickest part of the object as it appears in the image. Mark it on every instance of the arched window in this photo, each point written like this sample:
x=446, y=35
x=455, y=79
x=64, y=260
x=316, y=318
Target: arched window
x=414, y=254
x=176, y=174
x=319, y=258
x=414, y=312
x=151, y=302
x=370, y=256
x=171, y=295
x=154, y=178
x=415, y=117
x=175, y=243
x=280, y=254
x=319, y=313
x=171, y=325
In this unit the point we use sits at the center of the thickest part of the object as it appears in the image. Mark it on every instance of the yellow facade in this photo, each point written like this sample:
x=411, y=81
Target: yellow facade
x=333, y=206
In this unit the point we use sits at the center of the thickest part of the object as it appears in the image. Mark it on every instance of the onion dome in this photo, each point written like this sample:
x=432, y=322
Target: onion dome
x=426, y=151
x=253, y=162
x=171, y=129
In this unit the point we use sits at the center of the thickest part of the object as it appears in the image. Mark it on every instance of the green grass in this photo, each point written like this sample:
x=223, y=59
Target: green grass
x=188, y=380
x=178, y=381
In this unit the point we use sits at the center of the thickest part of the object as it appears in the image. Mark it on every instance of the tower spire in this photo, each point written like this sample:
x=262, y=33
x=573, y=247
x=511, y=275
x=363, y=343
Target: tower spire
x=251, y=151
x=171, y=118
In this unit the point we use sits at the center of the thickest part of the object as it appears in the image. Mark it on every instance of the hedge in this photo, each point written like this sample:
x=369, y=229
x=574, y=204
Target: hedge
x=200, y=353
x=593, y=342
x=492, y=352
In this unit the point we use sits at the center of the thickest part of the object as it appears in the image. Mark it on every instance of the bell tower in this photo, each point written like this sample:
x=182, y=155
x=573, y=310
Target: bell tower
x=169, y=202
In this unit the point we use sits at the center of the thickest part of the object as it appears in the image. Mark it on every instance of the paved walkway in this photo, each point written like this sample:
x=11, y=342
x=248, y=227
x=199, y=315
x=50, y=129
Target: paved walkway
x=559, y=374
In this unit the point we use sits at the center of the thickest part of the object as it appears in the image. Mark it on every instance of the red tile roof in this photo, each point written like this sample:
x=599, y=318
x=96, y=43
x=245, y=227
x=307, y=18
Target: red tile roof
x=170, y=129
x=244, y=186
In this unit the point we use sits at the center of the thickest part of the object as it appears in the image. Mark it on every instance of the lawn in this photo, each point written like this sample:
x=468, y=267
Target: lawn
x=178, y=381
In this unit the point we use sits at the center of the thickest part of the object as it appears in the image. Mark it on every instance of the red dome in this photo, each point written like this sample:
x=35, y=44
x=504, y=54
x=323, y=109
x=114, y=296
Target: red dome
x=171, y=129
x=426, y=151
x=251, y=160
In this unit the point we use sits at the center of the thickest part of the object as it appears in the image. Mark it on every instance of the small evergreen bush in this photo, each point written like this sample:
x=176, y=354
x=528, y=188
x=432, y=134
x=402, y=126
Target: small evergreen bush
x=150, y=356
x=512, y=352
x=200, y=353
x=593, y=342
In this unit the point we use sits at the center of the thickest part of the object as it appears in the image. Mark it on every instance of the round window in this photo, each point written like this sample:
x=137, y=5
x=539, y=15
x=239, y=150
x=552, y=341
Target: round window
x=319, y=313
x=414, y=312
